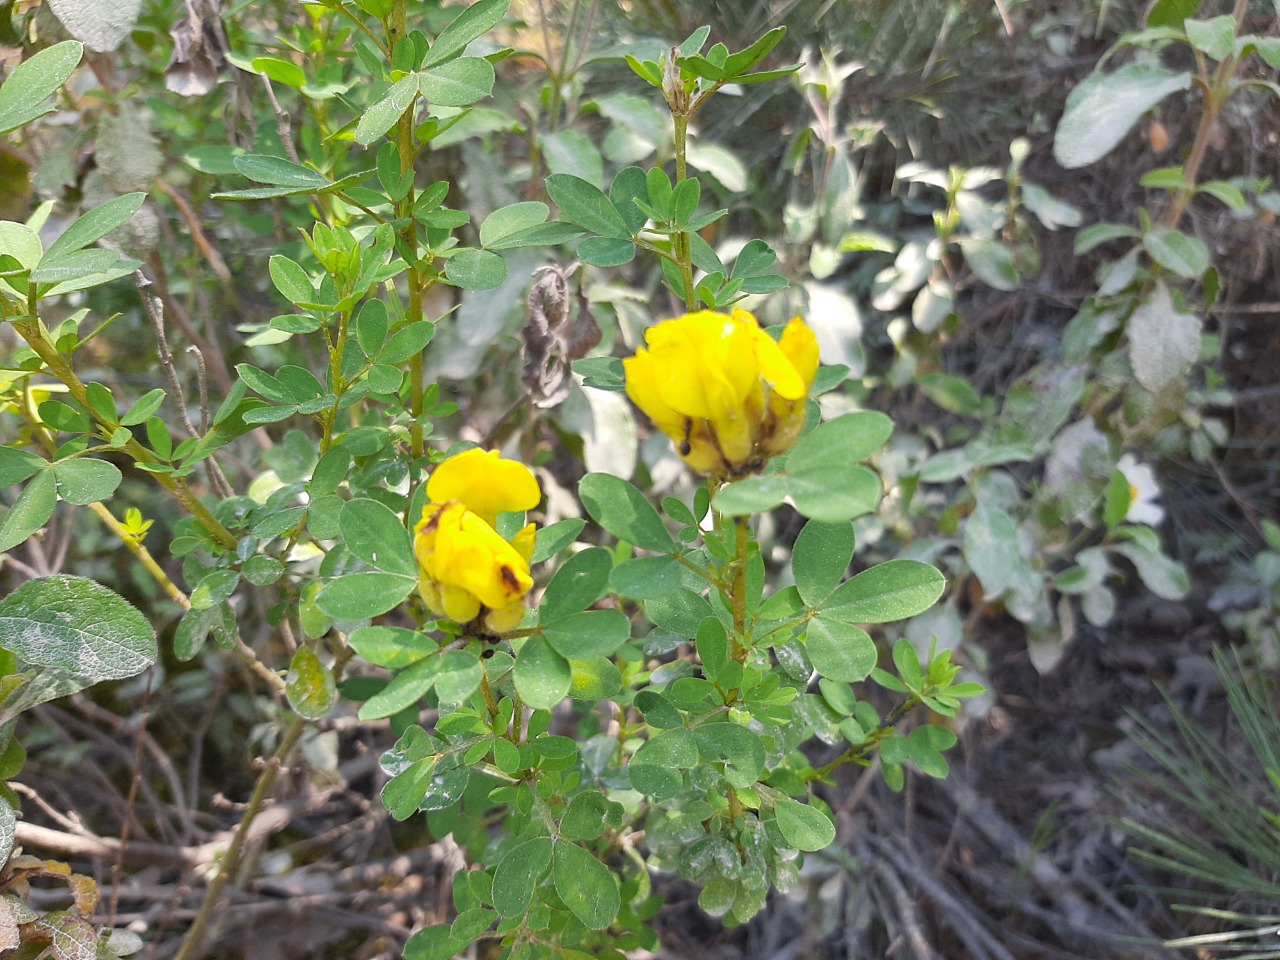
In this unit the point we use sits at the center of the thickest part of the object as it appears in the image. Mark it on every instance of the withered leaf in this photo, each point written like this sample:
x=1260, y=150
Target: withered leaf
x=552, y=338
x=199, y=49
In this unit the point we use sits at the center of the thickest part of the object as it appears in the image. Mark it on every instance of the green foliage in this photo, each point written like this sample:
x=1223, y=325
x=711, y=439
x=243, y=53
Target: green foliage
x=391, y=300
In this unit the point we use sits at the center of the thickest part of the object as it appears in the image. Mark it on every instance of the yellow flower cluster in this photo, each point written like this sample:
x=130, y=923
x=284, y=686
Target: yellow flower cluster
x=466, y=570
x=727, y=394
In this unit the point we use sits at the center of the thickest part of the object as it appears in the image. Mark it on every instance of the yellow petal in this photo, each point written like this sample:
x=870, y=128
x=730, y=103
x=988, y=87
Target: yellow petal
x=486, y=483
x=801, y=348
x=460, y=554
x=642, y=388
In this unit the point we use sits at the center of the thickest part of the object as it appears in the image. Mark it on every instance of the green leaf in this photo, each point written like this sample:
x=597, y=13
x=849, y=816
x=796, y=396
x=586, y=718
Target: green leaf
x=1181, y=253
x=594, y=680
x=474, y=22
x=76, y=265
x=376, y=534
x=804, y=827
x=1100, y=233
x=587, y=815
x=951, y=393
x=30, y=511
x=744, y=60
x=143, y=408
x=17, y=465
x=542, y=676
x=309, y=685
x=606, y=252
x=586, y=205
x=392, y=647
x=551, y=539
x=196, y=625
x=476, y=269
x=1215, y=36
x=655, y=768
x=96, y=224
x=680, y=612
x=457, y=83
x=291, y=280
x=384, y=114
x=77, y=626
x=517, y=876
x=509, y=220
x=1171, y=13
x=840, y=651
x=434, y=943
x=739, y=749
x=658, y=711
x=279, y=172
x=1103, y=108
x=406, y=343
x=629, y=183
x=86, y=481
x=580, y=582
x=820, y=559
x=592, y=633
x=460, y=674
x=1228, y=193
x=623, y=511
x=644, y=578
x=1162, y=575
x=25, y=92
x=543, y=235
x=588, y=888
x=281, y=71
x=888, y=591
x=404, y=690
x=359, y=596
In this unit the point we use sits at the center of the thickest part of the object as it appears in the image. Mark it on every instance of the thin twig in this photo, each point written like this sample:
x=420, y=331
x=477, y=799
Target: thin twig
x=155, y=313
x=231, y=859
x=283, y=126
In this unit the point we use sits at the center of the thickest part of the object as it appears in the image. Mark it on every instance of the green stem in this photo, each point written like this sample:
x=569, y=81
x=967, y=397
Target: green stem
x=683, y=253
x=742, y=542
x=60, y=368
x=1217, y=89
x=857, y=751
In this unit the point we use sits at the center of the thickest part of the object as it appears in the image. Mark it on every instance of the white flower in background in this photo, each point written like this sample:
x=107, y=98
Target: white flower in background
x=1143, y=492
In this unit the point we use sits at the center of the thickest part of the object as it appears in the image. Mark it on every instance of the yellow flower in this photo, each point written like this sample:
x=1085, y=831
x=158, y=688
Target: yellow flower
x=486, y=483
x=726, y=393
x=466, y=569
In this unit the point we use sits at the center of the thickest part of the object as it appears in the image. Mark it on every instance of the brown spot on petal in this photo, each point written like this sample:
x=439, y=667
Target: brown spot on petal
x=510, y=580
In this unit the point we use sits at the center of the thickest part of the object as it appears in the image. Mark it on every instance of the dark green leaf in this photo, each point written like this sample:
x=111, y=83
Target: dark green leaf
x=587, y=887
x=359, y=596
x=888, y=591
x=86, y=481
x=476, y=269
x=550, y=540
x=17, y=465
x=592, y=633
x=474, y=22
x=382, y=116
x=457, y=83
x=839, y=651
x=279, y=172
x=376, y=534
x=30, y=511
x=96, y=224
x=542, y=676
x=804, y=827
x=740, y=749
x=644, y=578
x=586, y=205
x=623, y=510
x=518, y=874
x=580, y=582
